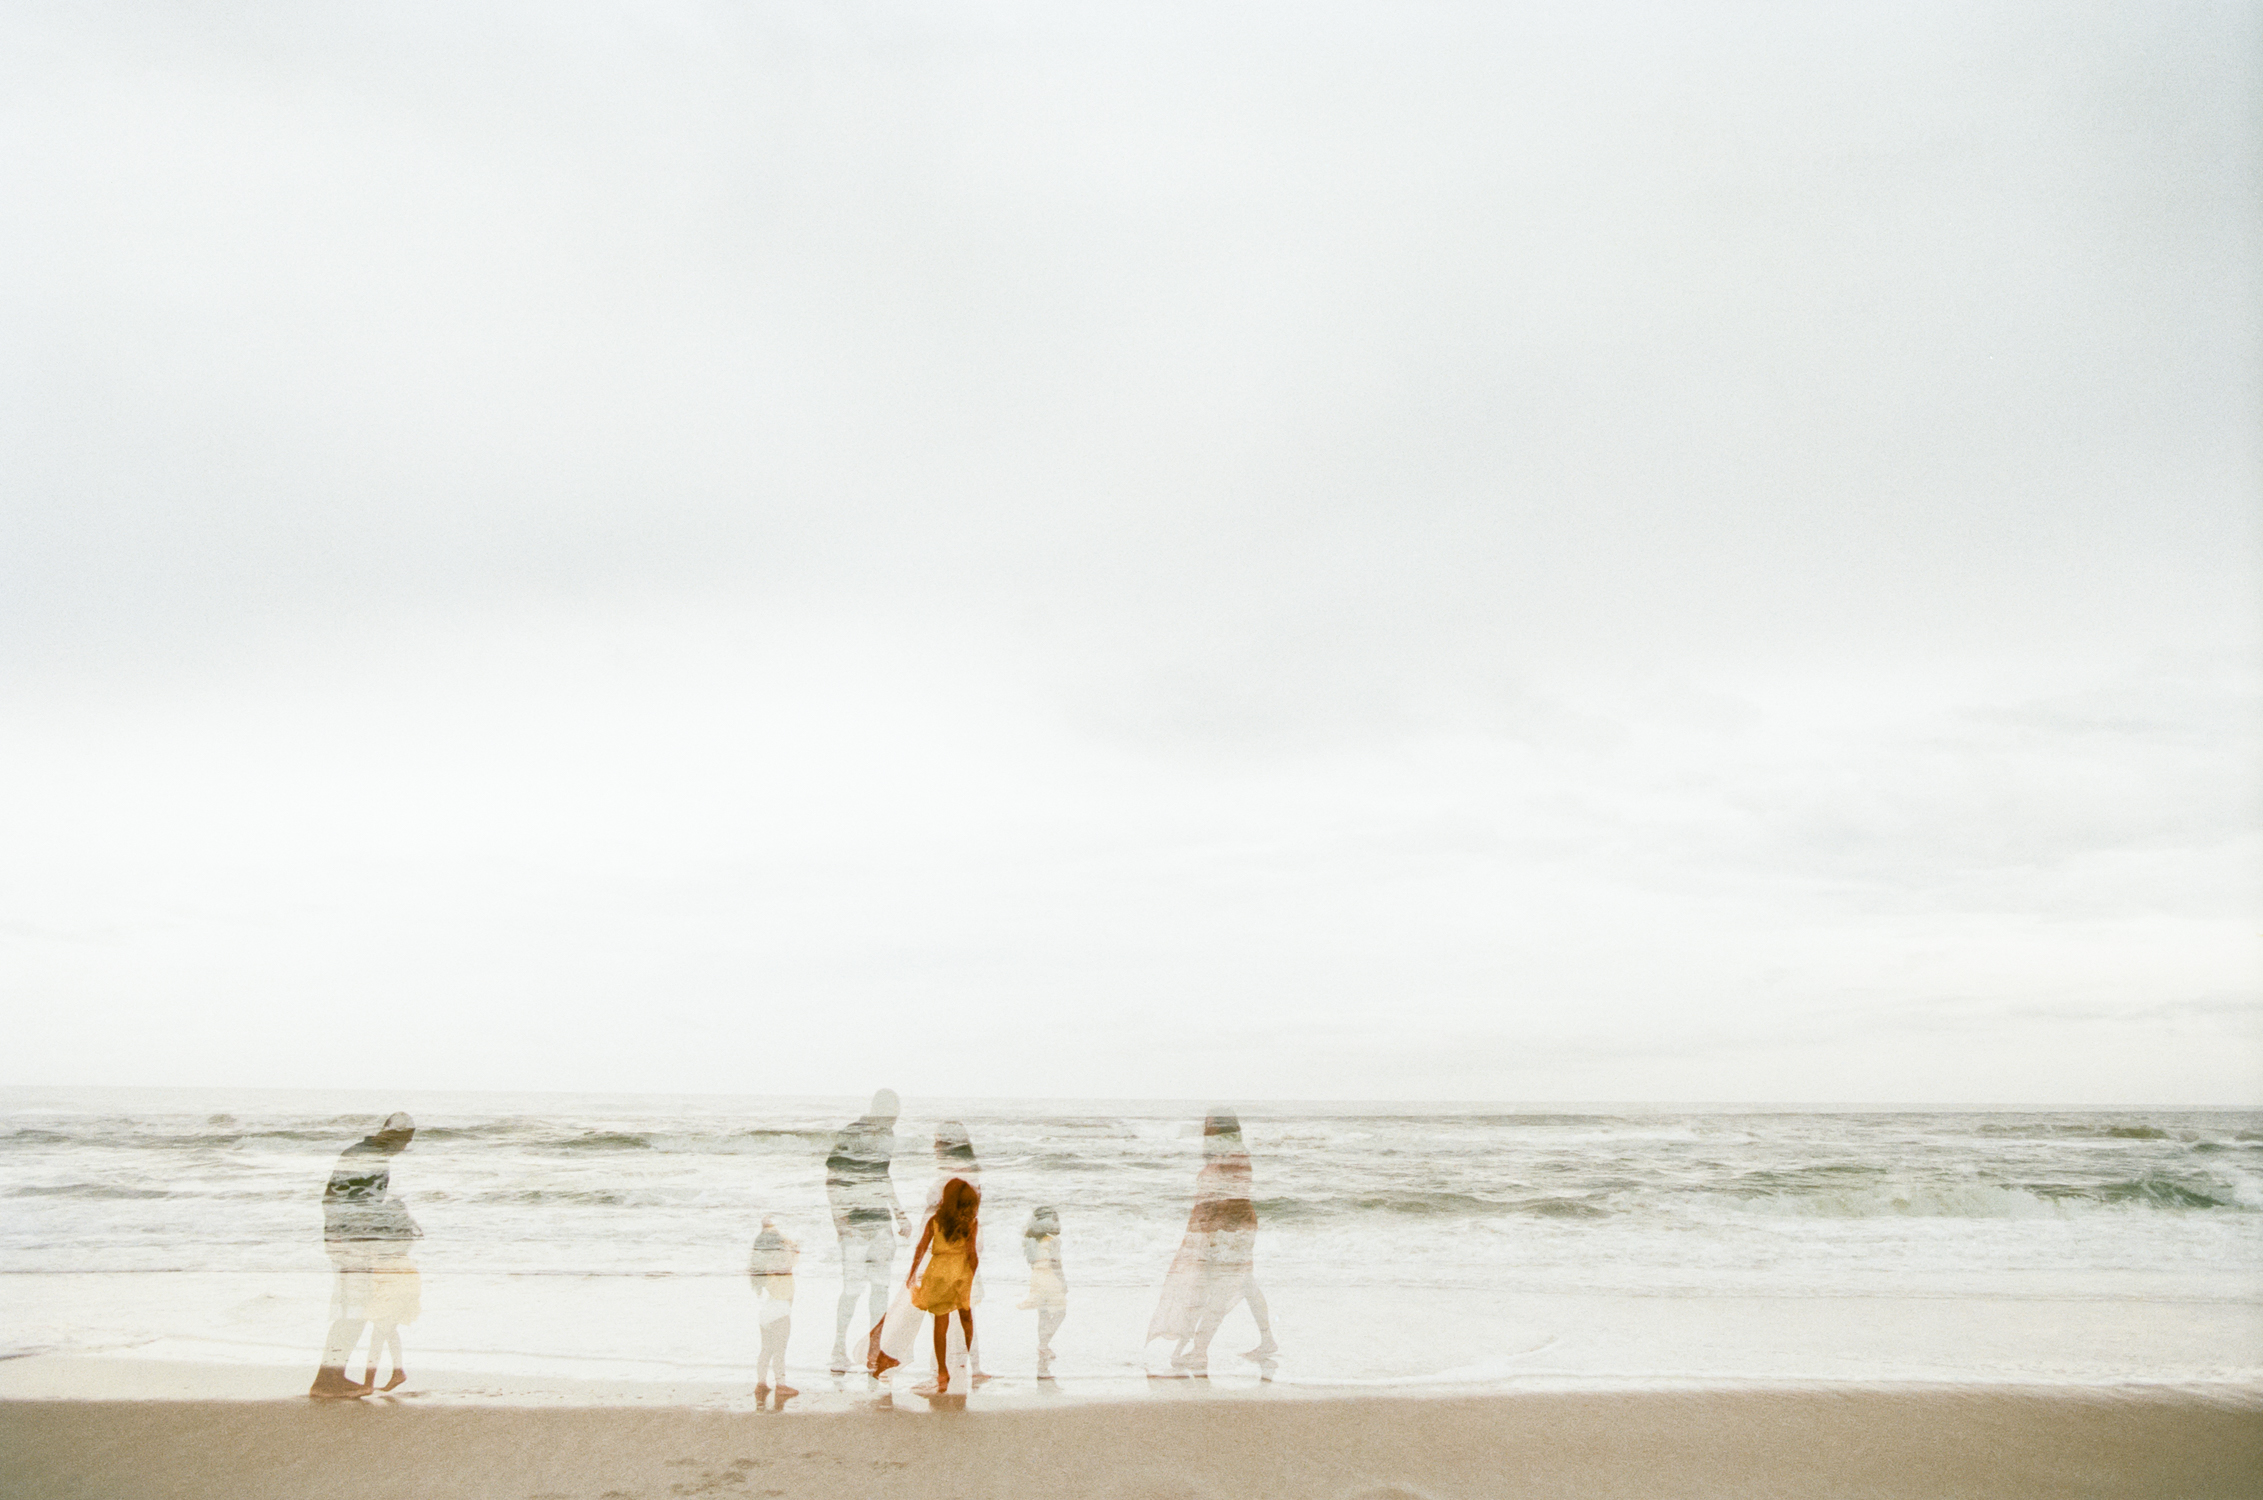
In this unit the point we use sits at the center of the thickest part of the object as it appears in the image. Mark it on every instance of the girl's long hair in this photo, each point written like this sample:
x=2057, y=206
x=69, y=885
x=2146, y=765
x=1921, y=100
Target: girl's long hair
x=955, y=1212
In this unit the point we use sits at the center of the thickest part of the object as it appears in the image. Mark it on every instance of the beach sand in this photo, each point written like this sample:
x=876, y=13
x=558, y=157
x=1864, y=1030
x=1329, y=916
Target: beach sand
x=1808, y=1443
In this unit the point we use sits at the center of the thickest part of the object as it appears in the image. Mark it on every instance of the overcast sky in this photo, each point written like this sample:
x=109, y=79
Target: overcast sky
x=1397, y=550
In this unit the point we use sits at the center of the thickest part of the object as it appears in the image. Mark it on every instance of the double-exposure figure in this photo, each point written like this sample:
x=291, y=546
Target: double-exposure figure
x=866, y=1216
x=367, y=1232
x=950, y=1243
x=895, y=1341
x=770, y=1266
x=1215, y=1268
x=1048, y=1283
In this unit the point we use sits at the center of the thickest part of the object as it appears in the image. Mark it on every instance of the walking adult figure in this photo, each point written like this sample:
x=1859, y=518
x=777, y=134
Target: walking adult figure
x=1216, y=1265
x=866, y=1217
x=363, y=1224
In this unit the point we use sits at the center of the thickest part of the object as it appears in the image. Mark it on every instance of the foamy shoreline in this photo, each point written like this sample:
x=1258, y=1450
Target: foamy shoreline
x=1489, y=1251
x=126, y=1378
x=1817, y=1443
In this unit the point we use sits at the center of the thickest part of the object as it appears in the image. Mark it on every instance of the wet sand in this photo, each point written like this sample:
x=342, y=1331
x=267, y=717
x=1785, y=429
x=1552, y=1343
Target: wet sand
x=1799, y=1444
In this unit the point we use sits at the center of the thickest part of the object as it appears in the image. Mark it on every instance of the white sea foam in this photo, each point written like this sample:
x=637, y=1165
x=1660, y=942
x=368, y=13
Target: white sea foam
x=1447, y=1232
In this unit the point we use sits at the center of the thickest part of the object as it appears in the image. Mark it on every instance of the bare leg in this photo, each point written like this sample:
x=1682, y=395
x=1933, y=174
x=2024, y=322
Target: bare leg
x=1048, y=1323
x=1208, y=1328
x=770, y=1365
x=369, y=1365
x=883, y=1289
x=852, y=1287
x=785, y=1328
x=382, y=1336
x=1198, y=1347
x=331, y=1379
x=844, y=1310
x=880, y=1271
x=345, y=1333
x=1266, y=1348
x=942, y=1352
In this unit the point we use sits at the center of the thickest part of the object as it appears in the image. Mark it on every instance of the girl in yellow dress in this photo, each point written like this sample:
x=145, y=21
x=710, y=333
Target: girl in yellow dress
x=948, y=1243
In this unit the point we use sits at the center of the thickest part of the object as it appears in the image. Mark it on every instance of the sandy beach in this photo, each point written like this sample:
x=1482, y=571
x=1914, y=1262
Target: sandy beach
x=1814, y=1444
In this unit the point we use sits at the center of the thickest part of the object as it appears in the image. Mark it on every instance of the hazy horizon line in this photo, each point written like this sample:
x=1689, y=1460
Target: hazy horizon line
x=17, y=1096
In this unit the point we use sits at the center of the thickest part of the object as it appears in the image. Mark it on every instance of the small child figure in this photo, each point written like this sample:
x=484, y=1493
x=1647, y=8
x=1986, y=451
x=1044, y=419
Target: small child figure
x=1048, y=1287
x=771, y=1268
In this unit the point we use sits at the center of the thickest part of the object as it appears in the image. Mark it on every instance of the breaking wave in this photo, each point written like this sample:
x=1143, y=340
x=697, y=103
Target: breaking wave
x=2001, y=1200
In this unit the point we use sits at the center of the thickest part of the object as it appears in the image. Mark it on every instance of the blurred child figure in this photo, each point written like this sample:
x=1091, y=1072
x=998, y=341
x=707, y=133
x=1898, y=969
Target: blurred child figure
x=1048, y=1287
x=771, y=1269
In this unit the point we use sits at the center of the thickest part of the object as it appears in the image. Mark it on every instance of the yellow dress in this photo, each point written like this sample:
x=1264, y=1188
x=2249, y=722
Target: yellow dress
x=946, y=1284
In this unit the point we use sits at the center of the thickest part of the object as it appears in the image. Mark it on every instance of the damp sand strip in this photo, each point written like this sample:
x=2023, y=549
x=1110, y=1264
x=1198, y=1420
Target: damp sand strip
x=1813, y=1443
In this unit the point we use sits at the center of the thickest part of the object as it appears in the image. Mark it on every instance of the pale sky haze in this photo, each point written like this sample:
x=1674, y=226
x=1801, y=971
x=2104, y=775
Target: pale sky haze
x=1427, y=550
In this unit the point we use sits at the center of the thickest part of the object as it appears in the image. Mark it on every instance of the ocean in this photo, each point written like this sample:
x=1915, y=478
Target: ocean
x=1421, y=1246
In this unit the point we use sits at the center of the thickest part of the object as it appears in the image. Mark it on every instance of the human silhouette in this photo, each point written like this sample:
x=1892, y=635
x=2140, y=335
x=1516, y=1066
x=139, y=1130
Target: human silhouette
x=1048, y=1284
x=1215, y=1268
x=896, y=1335
x=365, y=1227
x=949, y=1241
x=770, y=1266
x=866, y=1216
x=954, y=1157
